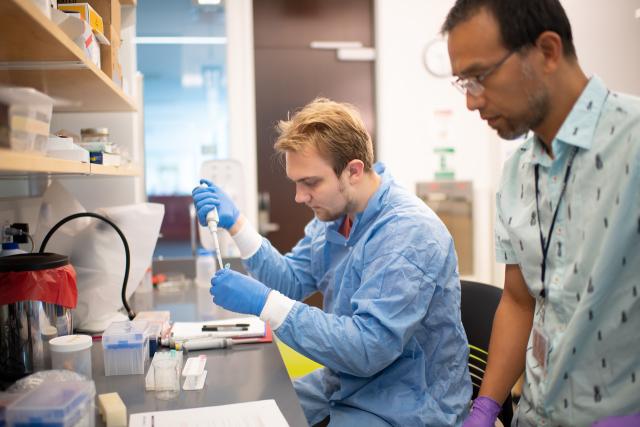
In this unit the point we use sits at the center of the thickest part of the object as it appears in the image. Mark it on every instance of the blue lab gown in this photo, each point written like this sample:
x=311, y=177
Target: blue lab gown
x=390, y=336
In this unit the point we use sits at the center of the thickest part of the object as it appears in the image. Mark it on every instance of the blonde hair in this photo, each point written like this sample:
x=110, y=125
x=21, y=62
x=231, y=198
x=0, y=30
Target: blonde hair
x=335, y=129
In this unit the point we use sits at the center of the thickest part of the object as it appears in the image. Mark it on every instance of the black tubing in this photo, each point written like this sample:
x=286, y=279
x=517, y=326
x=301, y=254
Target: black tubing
x=64, y=220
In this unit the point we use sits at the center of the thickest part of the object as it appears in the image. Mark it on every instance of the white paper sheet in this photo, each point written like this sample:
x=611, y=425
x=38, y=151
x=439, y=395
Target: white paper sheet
x=262, y=413
x=189, y=330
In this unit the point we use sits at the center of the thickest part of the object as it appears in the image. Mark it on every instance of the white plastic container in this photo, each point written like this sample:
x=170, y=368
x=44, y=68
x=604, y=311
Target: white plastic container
x=205, y=268
x=60, y=404
x=28, y=118
x=126, y=348
x=72, y=352
x=11, y=248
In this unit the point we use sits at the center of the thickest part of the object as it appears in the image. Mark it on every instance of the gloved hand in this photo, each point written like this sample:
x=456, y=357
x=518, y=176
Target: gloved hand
x=483, y=413
x=211, y=197
x=237, y=292
x=624, y=421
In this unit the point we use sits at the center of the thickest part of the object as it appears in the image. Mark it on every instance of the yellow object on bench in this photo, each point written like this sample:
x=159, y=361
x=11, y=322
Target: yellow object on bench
x=297, y=365
x=112, y=410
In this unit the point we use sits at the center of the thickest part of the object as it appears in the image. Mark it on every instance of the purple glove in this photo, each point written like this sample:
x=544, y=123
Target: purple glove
x=237, y=292
x=626, y=421
x=483, y=413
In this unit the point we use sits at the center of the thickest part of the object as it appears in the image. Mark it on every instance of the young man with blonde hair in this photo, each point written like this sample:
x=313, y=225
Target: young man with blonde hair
x=390, y=336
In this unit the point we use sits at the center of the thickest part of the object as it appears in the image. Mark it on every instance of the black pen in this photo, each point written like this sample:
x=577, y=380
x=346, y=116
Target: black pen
x=230, y=327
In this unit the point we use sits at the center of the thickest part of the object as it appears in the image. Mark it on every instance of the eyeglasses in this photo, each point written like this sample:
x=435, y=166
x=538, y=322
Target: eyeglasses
x=473, y=85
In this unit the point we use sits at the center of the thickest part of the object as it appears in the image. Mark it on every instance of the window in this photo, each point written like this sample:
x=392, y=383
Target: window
x=181, y=51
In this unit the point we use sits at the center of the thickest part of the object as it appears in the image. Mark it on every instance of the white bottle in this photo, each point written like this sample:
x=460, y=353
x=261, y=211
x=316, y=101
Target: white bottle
x=205, y=268
x=11, y=248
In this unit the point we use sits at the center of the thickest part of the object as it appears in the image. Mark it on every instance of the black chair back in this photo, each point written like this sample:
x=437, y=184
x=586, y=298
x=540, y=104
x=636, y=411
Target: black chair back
x=478, y=305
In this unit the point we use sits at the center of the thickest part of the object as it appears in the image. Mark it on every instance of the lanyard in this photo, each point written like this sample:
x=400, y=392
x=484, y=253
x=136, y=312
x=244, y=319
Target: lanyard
x=545, y=247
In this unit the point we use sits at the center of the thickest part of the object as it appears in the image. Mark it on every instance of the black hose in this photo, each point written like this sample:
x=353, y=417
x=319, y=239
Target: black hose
x=64, y=220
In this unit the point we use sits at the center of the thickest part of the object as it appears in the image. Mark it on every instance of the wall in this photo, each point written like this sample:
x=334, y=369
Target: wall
x=241, y=90
x=606, y=36
x=607, y=39
x=408, y=99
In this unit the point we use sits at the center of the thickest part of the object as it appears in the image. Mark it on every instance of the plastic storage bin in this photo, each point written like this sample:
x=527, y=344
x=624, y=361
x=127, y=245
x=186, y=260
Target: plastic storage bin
x=126, y=348
x=72, y=352
x=57, y=404
x=6, y=399
x=25, y=118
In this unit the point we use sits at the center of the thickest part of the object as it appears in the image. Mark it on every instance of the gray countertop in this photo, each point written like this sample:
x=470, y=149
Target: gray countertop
x=243, y=373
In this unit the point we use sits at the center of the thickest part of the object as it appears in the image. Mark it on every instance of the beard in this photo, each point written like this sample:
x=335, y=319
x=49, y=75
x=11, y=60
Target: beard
x=538, y=105
x=328, y=215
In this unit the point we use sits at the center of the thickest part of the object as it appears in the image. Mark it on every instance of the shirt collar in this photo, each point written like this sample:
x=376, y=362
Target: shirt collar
x=577, y=129
x=374, y=205
x=580, y=125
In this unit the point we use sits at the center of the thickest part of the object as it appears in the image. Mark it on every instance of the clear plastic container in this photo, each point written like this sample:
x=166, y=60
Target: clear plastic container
x=6, y=399
x=55, y=404
x=126, y=348
x=26, y=114
x=72, y=352
x=166, y=378
x=205, y=268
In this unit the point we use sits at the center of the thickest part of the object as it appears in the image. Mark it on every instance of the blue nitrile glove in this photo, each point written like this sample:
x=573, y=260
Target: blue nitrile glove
x=483, y=413
x=624, y=421
x=237, y=292
x=211, y=197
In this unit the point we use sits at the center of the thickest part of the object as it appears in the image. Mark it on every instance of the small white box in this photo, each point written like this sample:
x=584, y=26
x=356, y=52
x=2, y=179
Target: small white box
x=64, y=148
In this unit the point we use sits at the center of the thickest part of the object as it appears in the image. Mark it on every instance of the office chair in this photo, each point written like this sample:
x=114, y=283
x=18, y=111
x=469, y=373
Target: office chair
x=478, y=305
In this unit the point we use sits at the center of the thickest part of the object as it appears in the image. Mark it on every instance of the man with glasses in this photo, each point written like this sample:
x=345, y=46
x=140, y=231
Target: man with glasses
x=568, y=226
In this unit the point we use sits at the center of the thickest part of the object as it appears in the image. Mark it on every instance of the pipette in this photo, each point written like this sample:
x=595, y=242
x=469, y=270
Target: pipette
x=212, y=224
x=205, y=344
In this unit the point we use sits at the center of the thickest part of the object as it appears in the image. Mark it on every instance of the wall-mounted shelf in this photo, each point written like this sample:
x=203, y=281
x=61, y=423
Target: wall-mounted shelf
x=19, y=163
x=29, y=37
x=125, y=170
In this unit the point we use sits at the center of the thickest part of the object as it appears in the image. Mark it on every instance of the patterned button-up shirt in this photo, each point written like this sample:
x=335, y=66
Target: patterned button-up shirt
x=590, y=311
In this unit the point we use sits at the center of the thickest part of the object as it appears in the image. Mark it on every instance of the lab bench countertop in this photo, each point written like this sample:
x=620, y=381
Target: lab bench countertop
x=243, y=373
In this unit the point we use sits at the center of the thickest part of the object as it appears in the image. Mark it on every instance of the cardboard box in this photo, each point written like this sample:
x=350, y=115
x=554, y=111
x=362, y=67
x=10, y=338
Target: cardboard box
x=110, y=12
x=80, y=32
x=109, y=58
x=88, y=14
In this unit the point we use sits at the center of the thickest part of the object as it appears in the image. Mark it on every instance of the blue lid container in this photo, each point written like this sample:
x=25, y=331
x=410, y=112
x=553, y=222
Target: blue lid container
x=59, y=404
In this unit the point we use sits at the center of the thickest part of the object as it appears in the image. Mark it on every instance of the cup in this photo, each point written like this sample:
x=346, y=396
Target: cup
x=167, y=381
x=72, y=352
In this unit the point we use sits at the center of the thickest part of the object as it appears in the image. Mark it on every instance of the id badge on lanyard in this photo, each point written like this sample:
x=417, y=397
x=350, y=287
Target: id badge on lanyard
x=540, y=340
x=539, y=337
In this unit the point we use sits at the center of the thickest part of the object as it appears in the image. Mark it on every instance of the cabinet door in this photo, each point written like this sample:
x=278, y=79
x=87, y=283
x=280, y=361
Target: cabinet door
x=289, y=74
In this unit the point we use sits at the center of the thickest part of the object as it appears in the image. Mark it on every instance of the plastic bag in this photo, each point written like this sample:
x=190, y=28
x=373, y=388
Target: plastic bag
x=99, y=259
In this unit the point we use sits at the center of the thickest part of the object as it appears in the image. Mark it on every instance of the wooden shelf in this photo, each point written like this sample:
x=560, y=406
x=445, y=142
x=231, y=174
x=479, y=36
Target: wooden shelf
x=125, y=170
x=26, y=35
x=128, y=2
x=14, y=161
x=20, y=163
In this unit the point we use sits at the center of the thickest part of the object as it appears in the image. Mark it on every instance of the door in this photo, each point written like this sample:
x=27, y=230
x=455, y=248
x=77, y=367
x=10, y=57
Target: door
x=289, y=74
